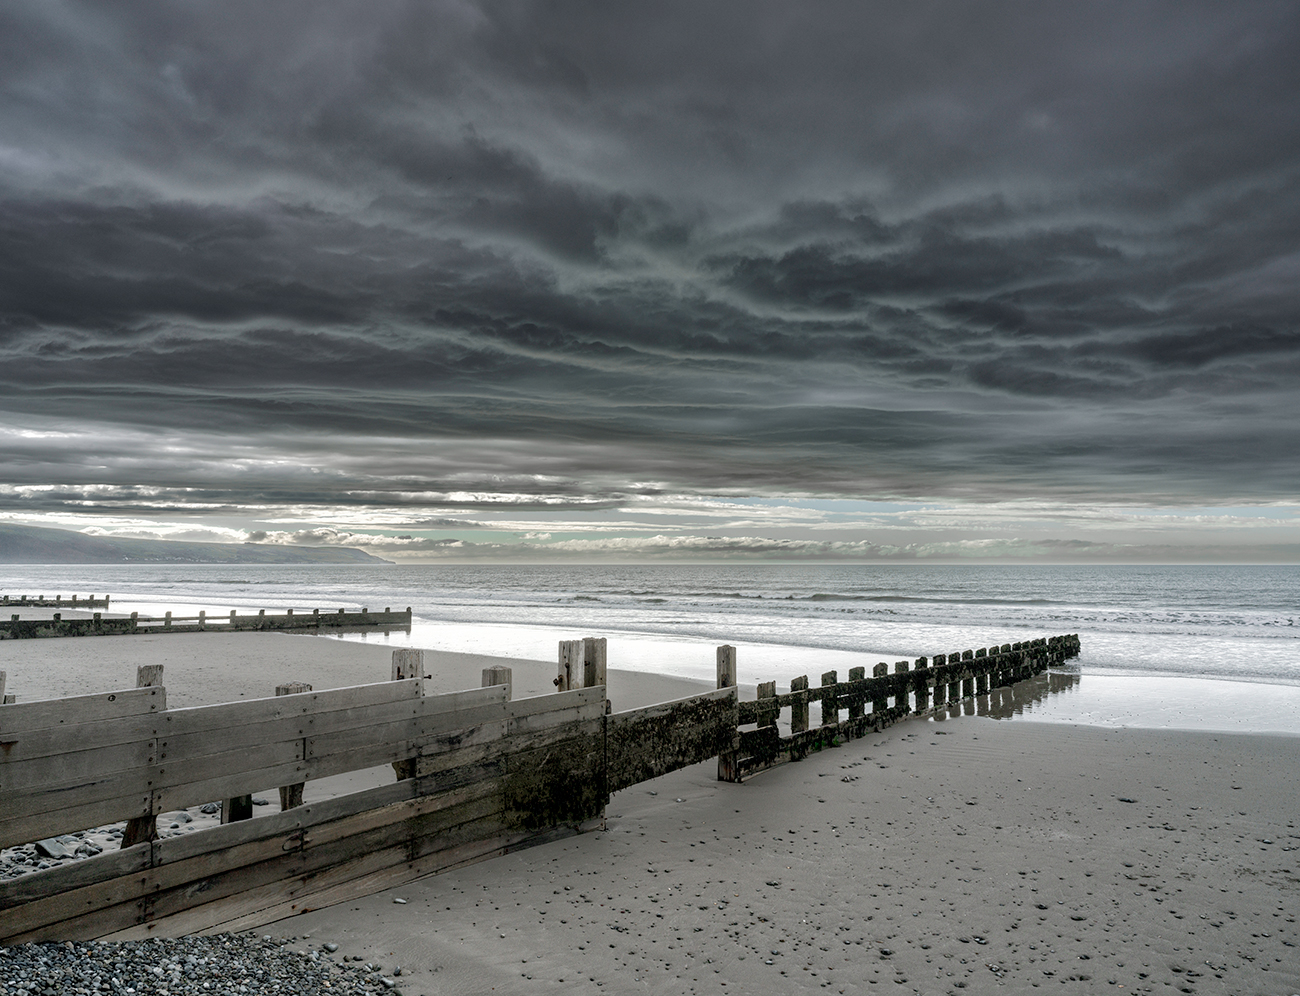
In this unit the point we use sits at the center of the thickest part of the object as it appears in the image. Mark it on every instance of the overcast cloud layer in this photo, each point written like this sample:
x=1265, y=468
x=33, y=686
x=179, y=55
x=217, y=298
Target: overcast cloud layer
x=438, y=268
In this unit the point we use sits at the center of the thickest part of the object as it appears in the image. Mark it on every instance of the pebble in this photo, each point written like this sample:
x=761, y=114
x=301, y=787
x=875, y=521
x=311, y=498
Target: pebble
x=219, y=965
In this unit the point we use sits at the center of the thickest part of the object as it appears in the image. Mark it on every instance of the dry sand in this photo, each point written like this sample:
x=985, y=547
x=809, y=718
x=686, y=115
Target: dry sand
x=965, y=855
x=202, y=668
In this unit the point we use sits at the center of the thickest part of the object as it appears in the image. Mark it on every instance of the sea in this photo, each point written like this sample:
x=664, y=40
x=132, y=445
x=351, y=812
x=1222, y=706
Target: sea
x=1198, y=642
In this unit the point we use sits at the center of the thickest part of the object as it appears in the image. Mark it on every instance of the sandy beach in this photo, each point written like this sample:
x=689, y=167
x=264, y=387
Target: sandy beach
x=967, y=855
x=970, y=854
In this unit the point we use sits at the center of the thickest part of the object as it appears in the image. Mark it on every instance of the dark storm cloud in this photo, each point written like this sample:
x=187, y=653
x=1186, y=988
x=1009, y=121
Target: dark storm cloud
x=578, y=251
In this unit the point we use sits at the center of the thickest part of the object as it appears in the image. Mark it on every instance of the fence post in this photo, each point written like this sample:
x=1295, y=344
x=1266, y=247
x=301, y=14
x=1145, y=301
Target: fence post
x=407, y=663
x=291, y=795
x=594, y=652
x=571, y=666
x=799, y=707
x=855, y=702
x=727, y=679
x=922, y=687
x=830, y=701
x=879, y=697
x=767, y=711
x=4, y=699
x=499, y=675
x=143, y=828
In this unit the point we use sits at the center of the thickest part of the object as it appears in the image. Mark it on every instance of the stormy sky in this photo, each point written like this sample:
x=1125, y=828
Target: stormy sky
x=723, y=280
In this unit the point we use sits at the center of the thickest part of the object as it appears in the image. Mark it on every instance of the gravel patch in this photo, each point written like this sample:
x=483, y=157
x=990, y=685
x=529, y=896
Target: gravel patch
x=204, y=966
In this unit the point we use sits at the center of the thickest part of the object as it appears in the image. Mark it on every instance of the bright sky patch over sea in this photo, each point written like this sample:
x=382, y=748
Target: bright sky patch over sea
x=462, y=281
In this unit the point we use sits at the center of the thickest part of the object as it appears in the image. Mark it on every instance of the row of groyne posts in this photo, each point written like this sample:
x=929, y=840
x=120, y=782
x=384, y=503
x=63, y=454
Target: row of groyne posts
x=915, y=688
x=478, y=774
x=17, y=628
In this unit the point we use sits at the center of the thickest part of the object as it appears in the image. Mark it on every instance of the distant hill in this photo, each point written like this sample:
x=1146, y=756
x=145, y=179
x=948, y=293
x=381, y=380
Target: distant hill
x=33, y=545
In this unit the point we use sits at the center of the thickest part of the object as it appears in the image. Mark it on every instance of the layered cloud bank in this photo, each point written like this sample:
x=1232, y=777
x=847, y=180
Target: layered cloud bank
x=424, y=268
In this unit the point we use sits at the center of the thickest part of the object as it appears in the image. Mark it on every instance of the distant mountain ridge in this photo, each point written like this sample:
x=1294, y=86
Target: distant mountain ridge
x=36, y=545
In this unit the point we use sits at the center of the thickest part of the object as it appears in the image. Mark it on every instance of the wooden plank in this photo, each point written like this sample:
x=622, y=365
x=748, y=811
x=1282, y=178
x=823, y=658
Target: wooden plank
x=464, y=774
x=560, y=717
x=40, y=714
x=417, y=809
x=576, y=698
x=451, y=826
x=437, y=713
x=641, y=744
x=495, y=750
x=418, y=728
x=454, y=741
x=24, y=828
x=88, y=790
x=39, y=774
x=229, y=715
x=74, y=875
x=88, y=927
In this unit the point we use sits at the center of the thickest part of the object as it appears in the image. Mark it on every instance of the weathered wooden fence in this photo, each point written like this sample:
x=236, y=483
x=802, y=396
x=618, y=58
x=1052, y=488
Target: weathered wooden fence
x=478, y=774
x=17, y=628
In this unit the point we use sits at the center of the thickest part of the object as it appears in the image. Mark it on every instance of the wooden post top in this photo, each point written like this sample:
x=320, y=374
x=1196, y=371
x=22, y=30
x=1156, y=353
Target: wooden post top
x=408, y=662
x=499, y=674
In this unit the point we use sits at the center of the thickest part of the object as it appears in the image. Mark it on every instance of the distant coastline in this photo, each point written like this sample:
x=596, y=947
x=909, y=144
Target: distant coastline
x=36, y=545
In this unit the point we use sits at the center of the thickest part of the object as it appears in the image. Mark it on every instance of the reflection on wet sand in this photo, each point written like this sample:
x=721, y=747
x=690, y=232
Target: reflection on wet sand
x=1155, y=702
x=1012, y=700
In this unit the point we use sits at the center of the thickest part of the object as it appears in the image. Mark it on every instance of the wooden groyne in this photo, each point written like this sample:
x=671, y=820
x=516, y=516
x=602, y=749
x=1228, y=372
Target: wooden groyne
x=57, y=602
x=915, y=688
x=17, y=628
x=478, y=774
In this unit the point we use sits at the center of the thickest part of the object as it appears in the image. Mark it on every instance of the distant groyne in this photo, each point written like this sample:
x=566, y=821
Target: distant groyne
x=57, y=602
x=17, y=628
